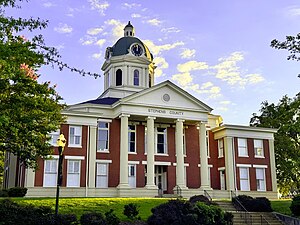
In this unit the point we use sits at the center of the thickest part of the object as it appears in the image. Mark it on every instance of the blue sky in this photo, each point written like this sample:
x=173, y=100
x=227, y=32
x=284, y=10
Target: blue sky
x=219, y=51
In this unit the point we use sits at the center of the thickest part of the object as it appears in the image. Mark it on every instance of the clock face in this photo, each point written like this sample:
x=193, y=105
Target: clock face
x=136, y=50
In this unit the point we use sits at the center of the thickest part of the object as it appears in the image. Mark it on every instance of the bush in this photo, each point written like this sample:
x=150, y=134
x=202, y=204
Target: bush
x=260, y=204
x=17, y=192
x=295, y=206
x=199, y=198
x=131, y=211
x=111, y=218
x=3, y=193
x=177, y=212
x=92, y=218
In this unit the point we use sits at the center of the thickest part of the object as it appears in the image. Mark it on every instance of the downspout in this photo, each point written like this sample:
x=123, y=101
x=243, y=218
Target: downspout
x=87, y=162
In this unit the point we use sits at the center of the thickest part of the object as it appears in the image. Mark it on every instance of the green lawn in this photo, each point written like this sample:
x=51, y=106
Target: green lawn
x=282, y=206
x=79, y=206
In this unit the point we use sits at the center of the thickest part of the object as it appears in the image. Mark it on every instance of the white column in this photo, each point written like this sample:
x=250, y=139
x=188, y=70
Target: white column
x=229, y=163
x=92, y=156
x=203, y=158
x=150, y=153
x=124, y=152
x=29, y=177
x=179, y=154
x=272, y=165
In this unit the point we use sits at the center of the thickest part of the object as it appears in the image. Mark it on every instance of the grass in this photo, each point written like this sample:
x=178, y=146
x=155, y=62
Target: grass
x=282, y=206
x=79, y=206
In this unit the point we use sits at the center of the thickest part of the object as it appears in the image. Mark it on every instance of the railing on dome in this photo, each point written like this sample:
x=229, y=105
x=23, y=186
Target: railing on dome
x=245, y=215
x=207, y=195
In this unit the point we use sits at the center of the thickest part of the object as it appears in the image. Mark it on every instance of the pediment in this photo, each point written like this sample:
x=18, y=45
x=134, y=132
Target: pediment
x=166, y=95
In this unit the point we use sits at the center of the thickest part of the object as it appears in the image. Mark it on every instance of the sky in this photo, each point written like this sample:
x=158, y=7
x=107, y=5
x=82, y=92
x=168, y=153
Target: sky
x=218, y=51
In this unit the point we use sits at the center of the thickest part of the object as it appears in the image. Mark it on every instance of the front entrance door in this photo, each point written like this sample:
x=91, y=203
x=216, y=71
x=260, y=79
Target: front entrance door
x=160, y=178
x=222, y=179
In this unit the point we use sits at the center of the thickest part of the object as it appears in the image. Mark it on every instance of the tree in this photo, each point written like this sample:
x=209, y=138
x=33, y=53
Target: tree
x=291, y=44
x=285, y=116
x=30, y=110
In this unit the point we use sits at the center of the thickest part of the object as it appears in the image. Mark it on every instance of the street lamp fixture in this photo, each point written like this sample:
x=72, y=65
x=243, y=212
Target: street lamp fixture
x=61, y=142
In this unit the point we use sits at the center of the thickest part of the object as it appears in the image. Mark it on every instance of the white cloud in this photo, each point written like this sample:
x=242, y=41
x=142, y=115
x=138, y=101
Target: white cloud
x=63, y=28
x=130, y=5
x=161, y=64
x=170, y=30
x=117, y=29
x=293, y=11
x=97, y=56
x=135, y=15
x=157, y=49
x=191, y=65
x=183, y=79
x=154, y=22
x=48, y=4
x=225, y=102
x=100, y=6
x=87, y=40
x=94, y=31
x=187, y=53
x=100, y=42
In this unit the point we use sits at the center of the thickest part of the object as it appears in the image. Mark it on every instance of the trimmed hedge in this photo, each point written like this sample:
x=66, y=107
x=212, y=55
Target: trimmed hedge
x=260, y=204
x=13, y=192
x=199, y=198
x=295, y=206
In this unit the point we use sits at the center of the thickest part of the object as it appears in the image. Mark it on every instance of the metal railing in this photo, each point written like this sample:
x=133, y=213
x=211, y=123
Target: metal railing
x=288, y=220
x=263, y=220
x=178, y=191
x=207, y=195
x=245, y=215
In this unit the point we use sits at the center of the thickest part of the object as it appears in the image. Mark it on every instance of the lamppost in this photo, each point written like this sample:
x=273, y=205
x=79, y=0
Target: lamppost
x=61, y=142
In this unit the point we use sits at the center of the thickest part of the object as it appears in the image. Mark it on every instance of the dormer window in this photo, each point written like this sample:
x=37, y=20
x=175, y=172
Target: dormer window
x=119, y=77
x=136, y=78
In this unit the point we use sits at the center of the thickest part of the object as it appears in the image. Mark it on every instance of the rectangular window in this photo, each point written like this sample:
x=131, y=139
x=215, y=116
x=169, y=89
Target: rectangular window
x=260, y=179
x=242, y=147
x=244, y=179
x=50, y=172
x=131, y=138
x=132, y=176
x=102, y=175
x=161, y=140
x=73, y=176
x=220, y=148
x=103, y=137
x=54, y=136
x=75, y=136
x=258, y=148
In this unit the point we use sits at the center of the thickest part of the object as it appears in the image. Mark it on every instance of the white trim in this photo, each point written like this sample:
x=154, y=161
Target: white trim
x=49, y=157
x=103, y=161
x=158, y=163
x=221, y=168
x=186, y=164
x=104, y=120
x=243, y=165
x=134, y=162
x=74, y=157
x=209, y=165
x=260, y=166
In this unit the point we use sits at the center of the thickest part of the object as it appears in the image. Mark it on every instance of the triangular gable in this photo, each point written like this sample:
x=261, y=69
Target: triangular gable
x=154, y=96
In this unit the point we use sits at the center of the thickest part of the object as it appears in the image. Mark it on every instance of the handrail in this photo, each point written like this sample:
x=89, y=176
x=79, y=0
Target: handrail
x=287, y=219
x=178, y=191
x=207, y=195
x=263, y=220
x=244, y=212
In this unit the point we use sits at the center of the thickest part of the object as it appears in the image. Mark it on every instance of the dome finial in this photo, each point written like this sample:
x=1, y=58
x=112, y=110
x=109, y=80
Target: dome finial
x=129, y=30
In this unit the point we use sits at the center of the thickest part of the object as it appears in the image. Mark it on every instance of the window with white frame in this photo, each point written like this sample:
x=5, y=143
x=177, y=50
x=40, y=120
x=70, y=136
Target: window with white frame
x=132, y=175
x=53, y=137
x=260, y=179
x=220, y=148
x=50, y=173
x=244, y=179
x=258, y=148
x=136, y=78
x=103, y=136
x=131, y=138
x=102, y=175
x=161, y=140
x=242, y=147
x=75, y=133
x=73, y=176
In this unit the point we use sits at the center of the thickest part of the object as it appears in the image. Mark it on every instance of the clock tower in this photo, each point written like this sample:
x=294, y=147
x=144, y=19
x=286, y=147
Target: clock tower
x=128, y=66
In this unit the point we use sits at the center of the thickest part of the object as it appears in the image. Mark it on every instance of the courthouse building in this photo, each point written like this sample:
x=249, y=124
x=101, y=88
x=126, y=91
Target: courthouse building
x=140, y=139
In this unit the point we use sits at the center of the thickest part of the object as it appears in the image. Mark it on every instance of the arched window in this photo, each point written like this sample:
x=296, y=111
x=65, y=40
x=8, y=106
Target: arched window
x=136, y=78
x=149, y=80
x=119, y=77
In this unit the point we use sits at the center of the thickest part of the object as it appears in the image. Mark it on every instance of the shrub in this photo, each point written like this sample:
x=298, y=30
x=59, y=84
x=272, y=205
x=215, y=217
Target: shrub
x=131, y=211
x=111, y=218
x=295, y=206
x=17, y=192
x=3, y=193
x=260, y=204
x=92, y=218
x=199, y=198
